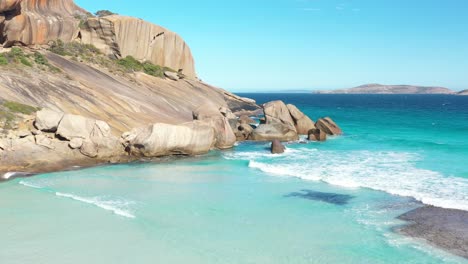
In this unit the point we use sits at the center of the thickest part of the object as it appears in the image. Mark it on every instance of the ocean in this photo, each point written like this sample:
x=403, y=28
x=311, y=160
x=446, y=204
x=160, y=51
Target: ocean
x=329, y=202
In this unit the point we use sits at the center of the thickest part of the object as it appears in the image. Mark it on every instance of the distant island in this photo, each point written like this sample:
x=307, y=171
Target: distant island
x=391, y=89
x=464, y=92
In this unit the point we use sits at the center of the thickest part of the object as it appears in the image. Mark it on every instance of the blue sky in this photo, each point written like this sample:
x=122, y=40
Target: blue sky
x=260, y=45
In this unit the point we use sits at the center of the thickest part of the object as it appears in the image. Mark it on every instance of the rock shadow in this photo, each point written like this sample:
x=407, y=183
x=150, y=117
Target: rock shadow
x=331, y=198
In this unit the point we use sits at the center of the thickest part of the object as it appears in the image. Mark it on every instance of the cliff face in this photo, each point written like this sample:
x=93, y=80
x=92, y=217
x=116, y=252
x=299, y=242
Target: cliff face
x=29, y=22
x=127, y=36
x=97, y=107
x=36, y=22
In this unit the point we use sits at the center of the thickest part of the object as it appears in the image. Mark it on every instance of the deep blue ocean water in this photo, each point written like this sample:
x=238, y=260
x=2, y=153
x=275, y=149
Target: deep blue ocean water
x=331, y=202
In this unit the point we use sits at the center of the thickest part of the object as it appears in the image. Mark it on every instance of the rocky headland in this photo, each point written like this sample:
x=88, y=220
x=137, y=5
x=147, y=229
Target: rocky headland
x=79, y=90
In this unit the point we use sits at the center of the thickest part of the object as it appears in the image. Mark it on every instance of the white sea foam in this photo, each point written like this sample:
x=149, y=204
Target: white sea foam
x=117, y=206
x=28, y=184
x=111, y=205
x=392, y=172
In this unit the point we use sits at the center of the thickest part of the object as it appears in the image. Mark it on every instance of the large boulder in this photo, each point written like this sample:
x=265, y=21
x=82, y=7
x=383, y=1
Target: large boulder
x=328, y=126
x=277, y=147
x=268, y=132
x=212, y=116
x=75, y=126
x=243, y=131
x=48, y=120
x=278, y=124
x=163, y=139
x=245, y=119
x=302, y=122
x=276, y=112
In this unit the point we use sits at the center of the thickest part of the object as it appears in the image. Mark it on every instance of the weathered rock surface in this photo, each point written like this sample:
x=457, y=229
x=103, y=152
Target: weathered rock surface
x=317, y=135
x=115, y=35
x=268, y=132
x=212, y=116
x=245, y=119
x=243, y=131
x=48, y=120
x=37, y=21
x=277, y=112
x=75, y=126
x=163, y=139
x=277, y=147
x=302, y=122
x=328, y=126
x=279, y=124
x=171, y=75
x=76, y=143
x=124, y=104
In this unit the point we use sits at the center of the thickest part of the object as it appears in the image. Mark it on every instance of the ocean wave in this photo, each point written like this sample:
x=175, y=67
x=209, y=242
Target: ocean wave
x=28, y=184
x=391, y=172
x=114, y=206
x=117, y=206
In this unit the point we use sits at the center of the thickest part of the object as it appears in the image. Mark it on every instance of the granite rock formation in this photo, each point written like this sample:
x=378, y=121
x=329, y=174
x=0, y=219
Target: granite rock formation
x=30, y=22
x=329, y=126
x=115, y=35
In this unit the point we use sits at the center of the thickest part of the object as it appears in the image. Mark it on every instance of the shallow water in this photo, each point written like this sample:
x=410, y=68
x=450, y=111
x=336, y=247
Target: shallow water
x=332, y=202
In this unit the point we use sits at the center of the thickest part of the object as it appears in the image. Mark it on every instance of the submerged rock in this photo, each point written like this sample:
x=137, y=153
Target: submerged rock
x=445, y=228
x=277, y=147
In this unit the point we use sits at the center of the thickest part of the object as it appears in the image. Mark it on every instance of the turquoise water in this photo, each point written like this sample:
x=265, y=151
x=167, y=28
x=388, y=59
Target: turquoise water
x=332, y=202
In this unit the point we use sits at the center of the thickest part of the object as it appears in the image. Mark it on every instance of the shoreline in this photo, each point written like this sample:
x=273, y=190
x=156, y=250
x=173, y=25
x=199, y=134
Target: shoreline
x=446, y=229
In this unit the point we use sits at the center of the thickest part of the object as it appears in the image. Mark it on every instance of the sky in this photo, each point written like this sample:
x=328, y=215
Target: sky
x=268, y=45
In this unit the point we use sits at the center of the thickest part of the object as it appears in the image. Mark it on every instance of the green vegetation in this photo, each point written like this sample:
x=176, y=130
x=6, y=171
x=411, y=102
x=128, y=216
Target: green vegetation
x=102, y=13
x=19, y=108
x=25, y=61
x=3, y=60
x=17, y=55
x=9, y=111
x=58, y=47
x=73, y=49
x=89, y=53
x=40, y=59
x=130, y=64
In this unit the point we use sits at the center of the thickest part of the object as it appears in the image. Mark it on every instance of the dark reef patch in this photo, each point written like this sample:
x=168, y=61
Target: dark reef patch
x=331, y=198
x=445, y=228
